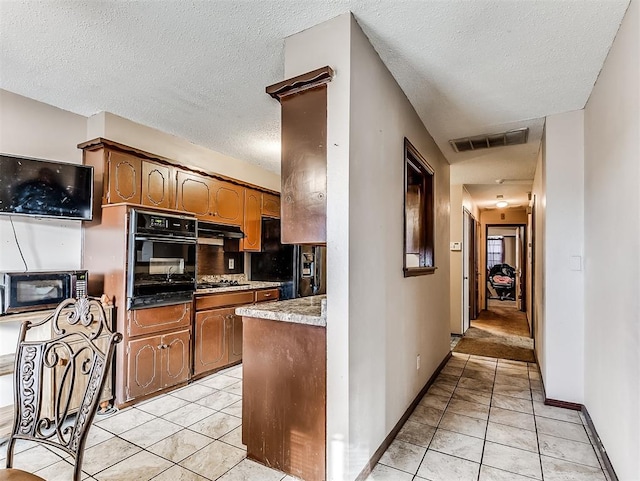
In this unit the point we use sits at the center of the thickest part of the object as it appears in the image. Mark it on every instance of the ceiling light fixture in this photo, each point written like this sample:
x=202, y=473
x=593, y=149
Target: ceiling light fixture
x=501, y=204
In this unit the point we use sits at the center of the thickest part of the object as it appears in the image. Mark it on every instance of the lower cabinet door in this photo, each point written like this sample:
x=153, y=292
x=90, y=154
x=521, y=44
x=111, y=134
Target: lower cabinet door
x=175, y=358
x=235, y=338
x=211, y=340
x=143, y=370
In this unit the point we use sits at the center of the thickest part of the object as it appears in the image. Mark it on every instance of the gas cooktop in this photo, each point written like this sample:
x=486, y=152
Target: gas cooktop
x=223, y=283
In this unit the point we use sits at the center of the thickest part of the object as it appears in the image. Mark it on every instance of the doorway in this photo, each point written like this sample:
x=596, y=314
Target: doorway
x=470, y=271
x=506, y=266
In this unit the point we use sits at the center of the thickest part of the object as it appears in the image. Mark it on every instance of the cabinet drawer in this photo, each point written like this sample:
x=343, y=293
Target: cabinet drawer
x=267, y=295
x=157, y=319
x=224, y=299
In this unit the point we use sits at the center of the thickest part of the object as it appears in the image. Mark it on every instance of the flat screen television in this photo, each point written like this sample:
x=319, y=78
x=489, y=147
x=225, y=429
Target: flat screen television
x=44, y=188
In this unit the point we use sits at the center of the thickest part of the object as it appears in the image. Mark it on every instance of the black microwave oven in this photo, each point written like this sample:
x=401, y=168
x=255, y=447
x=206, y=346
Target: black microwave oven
x=34, y=291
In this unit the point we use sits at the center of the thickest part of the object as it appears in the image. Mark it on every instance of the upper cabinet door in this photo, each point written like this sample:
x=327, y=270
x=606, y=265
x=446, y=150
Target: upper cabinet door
x=124, y=178
x=195, y=194
x=157, y=185
x=228, y=202
x=252, y=225
x=270, y=205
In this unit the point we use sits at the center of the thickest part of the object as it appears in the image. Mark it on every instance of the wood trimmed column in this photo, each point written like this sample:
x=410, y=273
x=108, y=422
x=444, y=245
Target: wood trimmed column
x=304, y=156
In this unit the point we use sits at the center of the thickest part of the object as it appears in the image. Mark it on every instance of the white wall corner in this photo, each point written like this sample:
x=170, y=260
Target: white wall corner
x=564, y=240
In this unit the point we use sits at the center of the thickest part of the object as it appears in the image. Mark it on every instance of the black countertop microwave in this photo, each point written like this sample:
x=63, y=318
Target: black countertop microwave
x=34, y=291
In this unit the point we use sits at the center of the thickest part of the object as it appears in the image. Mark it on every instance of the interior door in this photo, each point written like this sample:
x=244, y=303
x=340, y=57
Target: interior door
x=523, y=272
x=473, y=268
x=466, y=270
x=518, y=294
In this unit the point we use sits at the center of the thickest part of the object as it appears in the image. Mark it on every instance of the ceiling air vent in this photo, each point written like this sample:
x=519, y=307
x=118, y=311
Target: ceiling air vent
x=487, y=141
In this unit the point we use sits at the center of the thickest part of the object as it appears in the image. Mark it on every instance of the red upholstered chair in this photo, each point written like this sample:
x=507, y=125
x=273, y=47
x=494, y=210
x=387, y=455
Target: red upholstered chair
x=69, y=367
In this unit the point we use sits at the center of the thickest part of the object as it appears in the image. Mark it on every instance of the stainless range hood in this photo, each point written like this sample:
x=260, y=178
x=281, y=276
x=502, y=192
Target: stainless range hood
x=211, y=230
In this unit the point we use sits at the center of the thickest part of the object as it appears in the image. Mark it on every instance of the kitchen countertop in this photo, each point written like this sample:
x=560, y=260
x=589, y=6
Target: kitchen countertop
x=310, y=310
x=249, y=286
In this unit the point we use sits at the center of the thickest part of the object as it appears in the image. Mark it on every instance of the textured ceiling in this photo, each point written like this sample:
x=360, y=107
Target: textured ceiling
x=198, y=69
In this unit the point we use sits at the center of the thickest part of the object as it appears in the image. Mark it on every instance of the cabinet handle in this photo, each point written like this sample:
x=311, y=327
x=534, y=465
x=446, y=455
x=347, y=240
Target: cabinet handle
x=267, y=295
x=162, y=346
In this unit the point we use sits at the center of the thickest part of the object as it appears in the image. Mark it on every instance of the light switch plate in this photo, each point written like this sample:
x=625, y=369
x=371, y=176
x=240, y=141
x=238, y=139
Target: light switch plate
x=456, y=246
x=232, y=264
x=575, y=263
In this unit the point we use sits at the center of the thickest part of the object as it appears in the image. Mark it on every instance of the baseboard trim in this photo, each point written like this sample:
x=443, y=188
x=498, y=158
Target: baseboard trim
x=563, y=404
x=366, y=471
x=581, y=407
x=600, y=447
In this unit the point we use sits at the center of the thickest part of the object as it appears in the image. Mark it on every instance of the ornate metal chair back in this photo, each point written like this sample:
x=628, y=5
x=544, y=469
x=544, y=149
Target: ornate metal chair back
x=72, y=365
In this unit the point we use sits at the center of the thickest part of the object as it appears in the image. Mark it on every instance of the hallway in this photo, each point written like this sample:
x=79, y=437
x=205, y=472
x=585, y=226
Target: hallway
x=483, y=419
x=499, y=332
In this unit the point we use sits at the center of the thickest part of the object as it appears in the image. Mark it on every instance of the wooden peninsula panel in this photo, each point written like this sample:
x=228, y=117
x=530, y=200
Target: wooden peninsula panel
x=304, y=156
x=284, y=396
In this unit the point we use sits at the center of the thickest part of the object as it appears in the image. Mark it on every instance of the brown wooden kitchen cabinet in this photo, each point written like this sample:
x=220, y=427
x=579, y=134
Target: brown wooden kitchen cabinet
x=210, y=199
x=124, y=177
x=194, y=194
x=218, y=330
x=157, y=362
x=229, y=202
x=158, y=349
x=252, y=226
x=158, y=319
x=235, y=338
x=303, y=101
x=284, y=396
x=270, y=205
x=211, y=340
x=158, y=185
x=137, y=181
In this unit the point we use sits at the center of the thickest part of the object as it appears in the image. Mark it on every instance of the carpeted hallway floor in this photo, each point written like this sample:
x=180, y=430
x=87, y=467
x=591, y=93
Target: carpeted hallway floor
x=499, y=332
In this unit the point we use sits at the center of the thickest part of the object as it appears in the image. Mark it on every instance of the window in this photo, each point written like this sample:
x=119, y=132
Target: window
x=419, y=214
x=495, y=251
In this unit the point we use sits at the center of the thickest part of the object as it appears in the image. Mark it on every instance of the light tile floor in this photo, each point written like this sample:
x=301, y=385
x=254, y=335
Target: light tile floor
x=191, y=434
x=483, y=420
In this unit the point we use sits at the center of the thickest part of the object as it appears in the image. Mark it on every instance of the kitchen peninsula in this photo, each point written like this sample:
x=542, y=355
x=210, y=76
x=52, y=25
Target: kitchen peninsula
x=284, y=385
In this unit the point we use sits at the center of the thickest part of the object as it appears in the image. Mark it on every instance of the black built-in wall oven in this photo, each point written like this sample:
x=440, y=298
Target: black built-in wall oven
x=161, y=259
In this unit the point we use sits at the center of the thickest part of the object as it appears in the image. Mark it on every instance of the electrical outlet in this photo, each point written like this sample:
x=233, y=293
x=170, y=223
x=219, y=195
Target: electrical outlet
x=232, y=264
x=418, y=362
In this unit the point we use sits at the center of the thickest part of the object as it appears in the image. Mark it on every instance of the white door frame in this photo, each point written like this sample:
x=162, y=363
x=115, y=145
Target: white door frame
x=466, y=268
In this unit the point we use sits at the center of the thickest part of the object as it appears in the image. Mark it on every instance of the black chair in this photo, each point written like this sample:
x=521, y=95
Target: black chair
x=502, y=277
x=77, y=358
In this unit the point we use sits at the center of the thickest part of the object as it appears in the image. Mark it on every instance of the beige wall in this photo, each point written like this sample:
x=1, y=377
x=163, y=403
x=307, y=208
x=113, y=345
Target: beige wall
x=119, y=129
x=378, y=321
x=539, y=206
x=460, y=200
x=493, y=217
x=33, y=129
x=563, y=368
x=455, y=259
x=328, y=44
x=612, y=260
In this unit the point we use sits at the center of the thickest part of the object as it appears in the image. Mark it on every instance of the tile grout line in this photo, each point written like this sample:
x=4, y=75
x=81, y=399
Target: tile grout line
x=535, y=424
x=486, y=429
